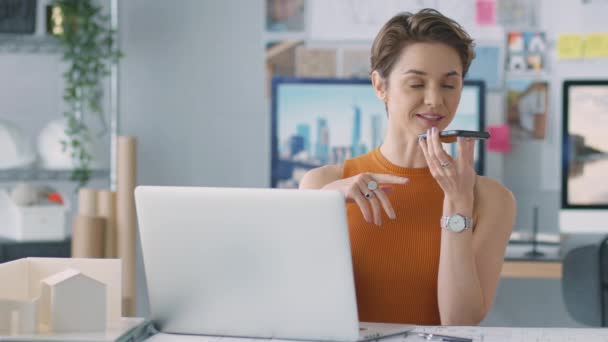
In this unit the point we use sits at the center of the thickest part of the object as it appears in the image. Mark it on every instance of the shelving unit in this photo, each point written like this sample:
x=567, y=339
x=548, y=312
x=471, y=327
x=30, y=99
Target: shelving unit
x=28, y=44
x=12, y=250
x=46, y=46
x=22, y=175
x=40, y=43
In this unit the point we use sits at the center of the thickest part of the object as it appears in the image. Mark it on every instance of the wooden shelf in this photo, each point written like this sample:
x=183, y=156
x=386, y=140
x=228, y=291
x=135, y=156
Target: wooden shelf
x=520, y=264
x=532, y=269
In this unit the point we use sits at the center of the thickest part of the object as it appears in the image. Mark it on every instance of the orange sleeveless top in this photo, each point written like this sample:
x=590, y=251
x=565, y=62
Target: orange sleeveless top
x=396, y=265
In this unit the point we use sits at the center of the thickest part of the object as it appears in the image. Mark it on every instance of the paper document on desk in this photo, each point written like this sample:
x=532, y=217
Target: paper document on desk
x=162, y=337
x=488, y=334
x=478, y=334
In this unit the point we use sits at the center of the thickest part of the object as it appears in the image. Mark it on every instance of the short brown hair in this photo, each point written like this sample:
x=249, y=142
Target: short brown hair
x=428, y=25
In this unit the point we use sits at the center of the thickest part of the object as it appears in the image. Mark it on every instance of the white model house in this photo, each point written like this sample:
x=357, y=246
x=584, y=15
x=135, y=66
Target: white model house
x=17, y=307
x=72, y=302
x=45, y=295
x=18, y=316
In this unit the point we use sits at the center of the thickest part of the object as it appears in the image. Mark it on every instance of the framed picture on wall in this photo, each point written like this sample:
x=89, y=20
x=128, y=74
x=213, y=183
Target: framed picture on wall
x=527, y=103
x=285, y=16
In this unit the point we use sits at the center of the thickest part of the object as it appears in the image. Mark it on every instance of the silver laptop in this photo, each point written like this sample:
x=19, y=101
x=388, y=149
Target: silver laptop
x=263, y=263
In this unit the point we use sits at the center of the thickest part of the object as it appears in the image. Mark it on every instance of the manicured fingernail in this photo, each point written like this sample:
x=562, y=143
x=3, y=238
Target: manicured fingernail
x=420, y=138
x=392, y=216
x=434, y=129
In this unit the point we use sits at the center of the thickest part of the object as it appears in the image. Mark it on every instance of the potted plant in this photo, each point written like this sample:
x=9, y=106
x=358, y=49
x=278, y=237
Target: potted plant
x=89, y=49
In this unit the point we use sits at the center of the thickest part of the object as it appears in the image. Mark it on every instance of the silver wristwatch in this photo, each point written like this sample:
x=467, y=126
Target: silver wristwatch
x=456, y=223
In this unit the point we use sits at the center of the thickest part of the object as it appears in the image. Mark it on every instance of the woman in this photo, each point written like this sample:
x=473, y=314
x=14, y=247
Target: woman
x=428, y=235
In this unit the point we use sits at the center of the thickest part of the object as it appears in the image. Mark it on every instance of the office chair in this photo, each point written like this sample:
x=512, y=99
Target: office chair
x=585, y=283
x=603, y=272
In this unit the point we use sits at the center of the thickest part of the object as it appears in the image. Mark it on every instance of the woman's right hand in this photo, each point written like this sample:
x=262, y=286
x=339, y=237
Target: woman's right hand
x=356, y=188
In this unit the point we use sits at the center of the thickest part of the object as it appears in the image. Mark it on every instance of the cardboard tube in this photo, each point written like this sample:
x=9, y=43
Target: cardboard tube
x=15, y=323
x=126, y=221
x=87, y=202
x=106, y=208
x=88, y=237
x=127, y=304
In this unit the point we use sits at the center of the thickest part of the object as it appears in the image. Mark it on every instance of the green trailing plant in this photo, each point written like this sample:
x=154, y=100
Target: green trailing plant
x=89, y=48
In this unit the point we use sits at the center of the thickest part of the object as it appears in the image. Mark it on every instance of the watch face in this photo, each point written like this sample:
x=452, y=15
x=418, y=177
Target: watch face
x=456, y=223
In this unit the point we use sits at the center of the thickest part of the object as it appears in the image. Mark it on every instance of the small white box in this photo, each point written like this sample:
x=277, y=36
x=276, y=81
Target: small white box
x=33, y=223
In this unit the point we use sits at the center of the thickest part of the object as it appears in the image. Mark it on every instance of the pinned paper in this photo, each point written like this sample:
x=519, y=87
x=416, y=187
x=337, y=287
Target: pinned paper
x=526, y=51
x=486, y=12
x=500, y=138
x=517, y=13
x=570, y=46
x=315, y=62
x=596, y=45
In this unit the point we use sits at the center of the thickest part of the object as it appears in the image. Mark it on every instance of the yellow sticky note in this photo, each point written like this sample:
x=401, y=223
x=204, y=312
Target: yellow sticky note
x=596, y=45
x=570, y=46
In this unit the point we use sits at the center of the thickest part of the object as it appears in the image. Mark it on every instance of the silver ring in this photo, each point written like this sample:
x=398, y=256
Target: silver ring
x=368, y=195
x=445, y=164
x=372, y=185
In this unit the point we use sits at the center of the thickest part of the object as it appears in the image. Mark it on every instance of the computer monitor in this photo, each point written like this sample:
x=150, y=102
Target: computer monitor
x=325, y=121
x=584, y=157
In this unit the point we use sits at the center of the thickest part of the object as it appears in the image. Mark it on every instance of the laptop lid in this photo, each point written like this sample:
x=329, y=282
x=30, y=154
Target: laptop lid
x=248, y=262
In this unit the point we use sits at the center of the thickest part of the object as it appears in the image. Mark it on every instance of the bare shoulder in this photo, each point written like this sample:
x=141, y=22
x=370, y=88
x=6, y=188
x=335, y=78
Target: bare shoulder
x=321, y=176
x=493, y=198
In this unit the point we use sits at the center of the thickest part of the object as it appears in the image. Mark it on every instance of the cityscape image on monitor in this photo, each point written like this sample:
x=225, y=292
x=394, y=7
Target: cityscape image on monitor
x=317, y=122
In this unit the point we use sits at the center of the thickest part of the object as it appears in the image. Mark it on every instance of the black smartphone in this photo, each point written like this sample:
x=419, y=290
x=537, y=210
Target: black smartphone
x=450, y=136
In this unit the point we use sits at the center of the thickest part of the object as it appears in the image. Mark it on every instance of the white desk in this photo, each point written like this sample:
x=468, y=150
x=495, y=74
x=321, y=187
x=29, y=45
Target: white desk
x=488, y=334
x=122, y=332
x=478, y=334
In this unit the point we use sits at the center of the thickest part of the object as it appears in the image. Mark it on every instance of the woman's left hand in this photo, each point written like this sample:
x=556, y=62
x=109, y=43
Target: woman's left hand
x=455, y=176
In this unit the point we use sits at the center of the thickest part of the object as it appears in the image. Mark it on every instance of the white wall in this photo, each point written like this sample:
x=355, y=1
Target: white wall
x=192, y=92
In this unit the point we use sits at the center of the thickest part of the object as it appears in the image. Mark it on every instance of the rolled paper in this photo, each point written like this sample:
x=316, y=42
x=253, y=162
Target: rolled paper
x=106, y=208
x=87, y=202
x=15, y=323
x=126, y=221
x=127, y=304
x=88, y=237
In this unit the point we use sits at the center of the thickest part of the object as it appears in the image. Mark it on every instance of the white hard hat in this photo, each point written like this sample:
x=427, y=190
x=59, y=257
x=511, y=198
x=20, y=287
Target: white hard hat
x=15, y=147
